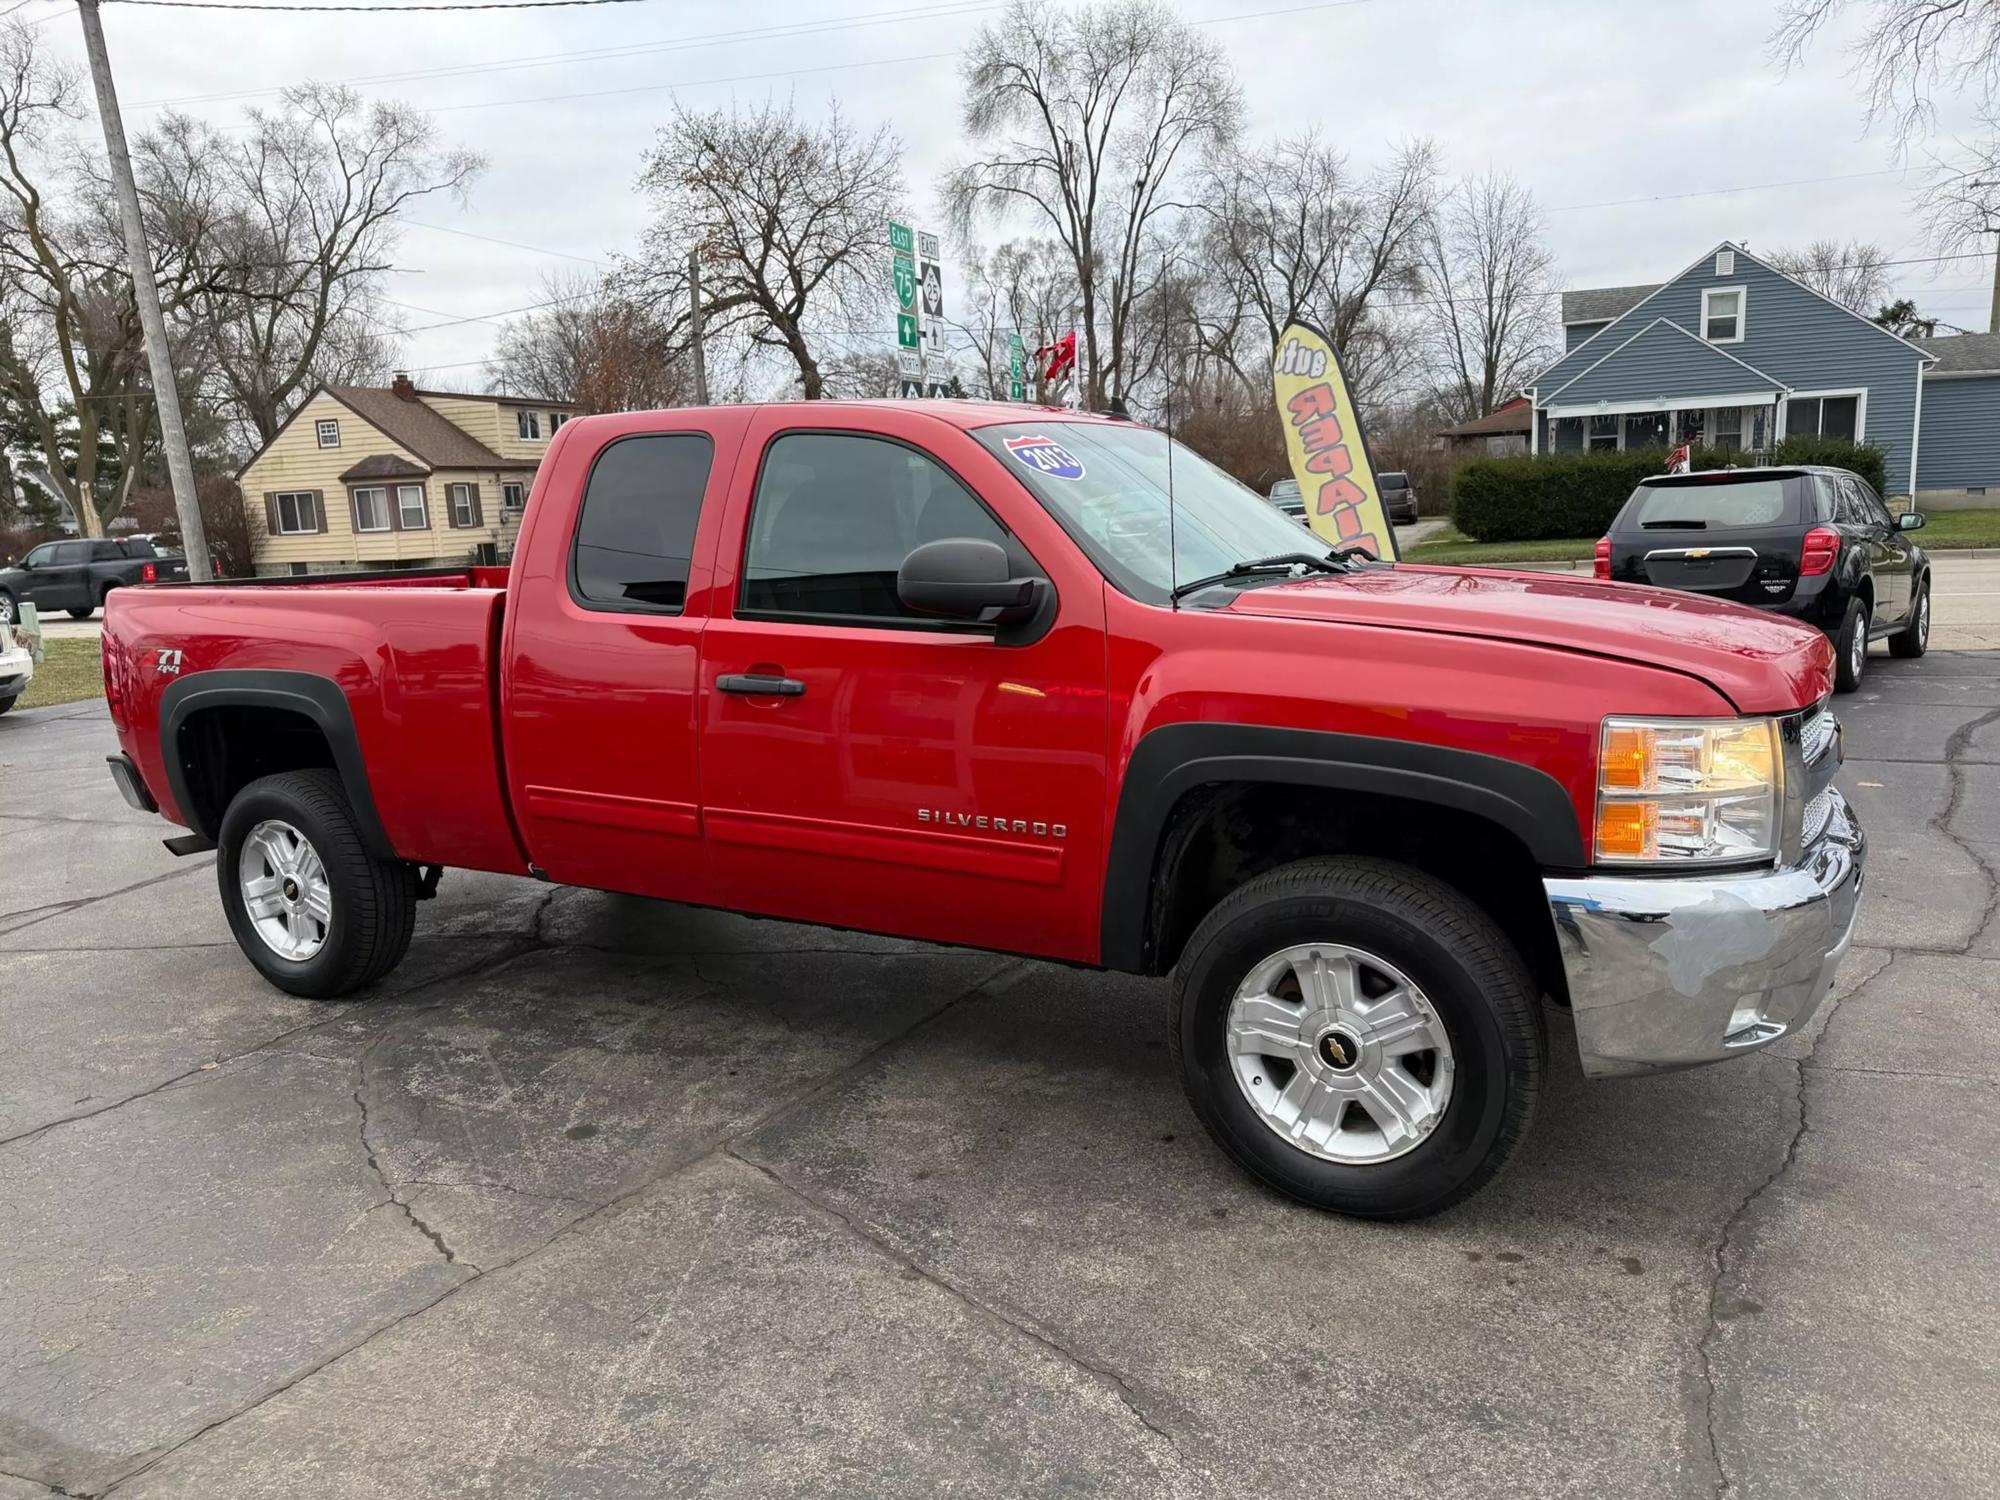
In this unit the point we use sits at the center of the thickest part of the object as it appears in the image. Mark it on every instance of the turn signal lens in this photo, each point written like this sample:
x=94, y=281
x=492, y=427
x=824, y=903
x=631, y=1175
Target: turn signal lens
x=1688, y=789
x=1601, y=565
x=1822, y=546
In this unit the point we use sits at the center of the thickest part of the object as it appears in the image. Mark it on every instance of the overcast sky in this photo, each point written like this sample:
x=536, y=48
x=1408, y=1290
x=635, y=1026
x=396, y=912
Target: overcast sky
x=1592, y=103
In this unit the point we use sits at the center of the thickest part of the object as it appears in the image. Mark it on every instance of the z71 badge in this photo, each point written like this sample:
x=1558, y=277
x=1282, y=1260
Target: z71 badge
x=168, y=663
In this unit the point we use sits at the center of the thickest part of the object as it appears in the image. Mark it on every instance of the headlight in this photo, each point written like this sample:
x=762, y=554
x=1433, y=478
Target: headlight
x=1671, y=790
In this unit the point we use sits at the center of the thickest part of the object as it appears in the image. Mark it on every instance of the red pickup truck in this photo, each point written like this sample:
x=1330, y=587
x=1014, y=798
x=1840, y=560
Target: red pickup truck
x=1045, y=683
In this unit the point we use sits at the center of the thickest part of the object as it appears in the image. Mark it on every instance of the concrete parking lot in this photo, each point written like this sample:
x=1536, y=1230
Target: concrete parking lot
x=603, y=1198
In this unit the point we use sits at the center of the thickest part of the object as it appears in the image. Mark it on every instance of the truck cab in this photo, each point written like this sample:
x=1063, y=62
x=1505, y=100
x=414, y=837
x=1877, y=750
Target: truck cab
x=1050, y=684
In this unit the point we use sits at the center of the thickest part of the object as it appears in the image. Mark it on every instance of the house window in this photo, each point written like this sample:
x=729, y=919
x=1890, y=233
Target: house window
x=463, y=511
x=513, y=495
x=556, y=419
x=298, y=515
x=1722, y=315
x=1646, y=430
x=528, y=424
x=410, y=507
x=1603, y=433
x=371, y=509
x=1725, y=262
x=327, y=429
x=300, y=570
x=1834, y=416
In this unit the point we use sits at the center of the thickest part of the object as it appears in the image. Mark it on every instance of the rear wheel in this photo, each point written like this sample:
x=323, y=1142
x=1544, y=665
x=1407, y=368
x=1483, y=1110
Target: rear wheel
x=83, y=612
x=7, y=703
x=1915, y=638
x=309, y=906
x=1359, y=1036
x=9, y=612
x=1850, y=648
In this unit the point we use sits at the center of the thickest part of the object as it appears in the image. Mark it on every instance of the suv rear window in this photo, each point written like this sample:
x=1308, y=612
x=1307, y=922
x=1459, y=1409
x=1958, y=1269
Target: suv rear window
x=1395, y=481
x=1705, y=504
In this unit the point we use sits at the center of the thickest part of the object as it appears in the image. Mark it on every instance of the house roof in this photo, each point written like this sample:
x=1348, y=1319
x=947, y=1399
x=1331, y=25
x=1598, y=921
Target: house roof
x=1600, y=304
x=499, y=398
x=436, y=440
x=1513, y=417
x=1963, y=353
x=383, y=466
x=1670, y=332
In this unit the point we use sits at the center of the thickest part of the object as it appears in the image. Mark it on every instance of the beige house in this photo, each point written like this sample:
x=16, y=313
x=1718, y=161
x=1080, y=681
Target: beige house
x=374, y=477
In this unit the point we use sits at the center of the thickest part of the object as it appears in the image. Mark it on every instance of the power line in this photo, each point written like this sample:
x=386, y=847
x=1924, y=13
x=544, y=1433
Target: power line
x=493, y=239
x=460, y=5
x=1755, y=187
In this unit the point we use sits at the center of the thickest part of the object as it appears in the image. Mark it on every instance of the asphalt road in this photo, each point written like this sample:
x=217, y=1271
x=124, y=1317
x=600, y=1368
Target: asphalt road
x=603, y=1198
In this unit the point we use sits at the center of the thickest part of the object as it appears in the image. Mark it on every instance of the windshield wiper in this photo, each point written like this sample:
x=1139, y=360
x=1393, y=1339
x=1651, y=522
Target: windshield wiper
x=1282, y=562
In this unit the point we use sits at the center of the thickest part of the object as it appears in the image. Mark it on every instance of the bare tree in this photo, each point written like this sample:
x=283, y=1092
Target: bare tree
x=1856, y=274
x=1489, y=273
x=1293, y=232
x=294, y=224
x=790, y=219
x=594, y=345
x=1081, y=119
x=1909, y=50
x=1026, y=287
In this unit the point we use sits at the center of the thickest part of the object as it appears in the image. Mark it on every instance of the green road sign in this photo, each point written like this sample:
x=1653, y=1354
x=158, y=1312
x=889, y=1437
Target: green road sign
x=1015, y=391
x=900, y=238
x=906, y=282
x=906, y=330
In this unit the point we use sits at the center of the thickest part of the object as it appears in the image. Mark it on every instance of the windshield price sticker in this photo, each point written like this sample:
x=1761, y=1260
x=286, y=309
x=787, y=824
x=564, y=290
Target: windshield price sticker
x=1046, y=456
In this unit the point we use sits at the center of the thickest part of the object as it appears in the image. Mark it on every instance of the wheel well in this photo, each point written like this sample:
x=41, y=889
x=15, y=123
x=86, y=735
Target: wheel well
x=1865, y=592
x=224, y=749
x=1219, y=836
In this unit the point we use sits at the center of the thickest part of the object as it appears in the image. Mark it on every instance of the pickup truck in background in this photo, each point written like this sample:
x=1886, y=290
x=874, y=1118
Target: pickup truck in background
x=79, y=575
x=1014, y=679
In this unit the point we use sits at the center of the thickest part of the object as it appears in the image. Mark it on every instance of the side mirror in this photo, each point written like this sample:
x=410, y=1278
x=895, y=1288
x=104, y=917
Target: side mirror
x=964, y=578
x=1910, y=520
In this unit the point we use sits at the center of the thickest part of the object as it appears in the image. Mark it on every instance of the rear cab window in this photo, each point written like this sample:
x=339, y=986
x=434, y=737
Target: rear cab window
x=1717, y=503
x=635, y=535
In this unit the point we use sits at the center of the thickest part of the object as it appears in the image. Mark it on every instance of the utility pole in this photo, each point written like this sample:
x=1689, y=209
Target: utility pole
x=173, y=436
x=694, y=325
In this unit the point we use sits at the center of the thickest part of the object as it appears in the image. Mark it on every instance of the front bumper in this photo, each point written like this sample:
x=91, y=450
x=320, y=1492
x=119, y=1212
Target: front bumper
x=16, y=669
x=1672, y=972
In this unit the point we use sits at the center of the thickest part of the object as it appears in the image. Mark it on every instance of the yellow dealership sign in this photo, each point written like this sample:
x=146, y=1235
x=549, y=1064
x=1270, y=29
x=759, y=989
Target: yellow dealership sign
x=1328, y=451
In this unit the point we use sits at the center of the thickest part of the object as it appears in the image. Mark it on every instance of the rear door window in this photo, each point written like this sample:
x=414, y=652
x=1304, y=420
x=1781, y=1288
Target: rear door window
x=635, y=536
x=1712, y=506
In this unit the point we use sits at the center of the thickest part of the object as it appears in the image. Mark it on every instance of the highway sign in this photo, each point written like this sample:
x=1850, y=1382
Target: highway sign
x=906, y=330
x=927, y=246
x=933, y=290
x=905, y=274
x=909, y=389
x=934, y=332
x=899, y=237
x=909, y=364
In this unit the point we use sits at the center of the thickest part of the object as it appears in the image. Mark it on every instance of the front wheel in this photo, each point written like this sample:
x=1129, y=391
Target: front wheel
x=82, y=612
x=310, y=907
x=10, y=612
x=1914, y=639
x=1359, y=1036
x=7, y=703
x=1850, y=648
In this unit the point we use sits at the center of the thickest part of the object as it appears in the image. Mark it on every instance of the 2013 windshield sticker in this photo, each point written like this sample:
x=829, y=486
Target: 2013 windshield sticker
x=1046, y=456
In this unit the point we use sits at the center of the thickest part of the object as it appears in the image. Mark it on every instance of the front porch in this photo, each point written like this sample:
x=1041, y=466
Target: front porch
x=1751, y=427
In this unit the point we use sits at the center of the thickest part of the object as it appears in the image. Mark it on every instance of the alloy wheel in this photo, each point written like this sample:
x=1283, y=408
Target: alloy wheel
x=1339, y=1053
x=285, y=890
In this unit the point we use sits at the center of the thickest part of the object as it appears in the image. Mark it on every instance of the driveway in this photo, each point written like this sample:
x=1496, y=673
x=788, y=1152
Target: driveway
x=604, y=1198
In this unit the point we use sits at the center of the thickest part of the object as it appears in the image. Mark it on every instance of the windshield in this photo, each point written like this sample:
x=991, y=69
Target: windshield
x=1107, y=486
x=1711, y=504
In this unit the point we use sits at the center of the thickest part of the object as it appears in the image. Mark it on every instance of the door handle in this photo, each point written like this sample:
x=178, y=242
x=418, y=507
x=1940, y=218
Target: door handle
x=760, y=685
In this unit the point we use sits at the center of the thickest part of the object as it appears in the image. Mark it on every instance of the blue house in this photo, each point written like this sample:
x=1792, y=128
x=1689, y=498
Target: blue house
x=1734, y=354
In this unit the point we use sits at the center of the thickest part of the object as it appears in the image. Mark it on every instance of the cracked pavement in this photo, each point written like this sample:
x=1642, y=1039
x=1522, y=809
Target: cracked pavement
x=599, y=1197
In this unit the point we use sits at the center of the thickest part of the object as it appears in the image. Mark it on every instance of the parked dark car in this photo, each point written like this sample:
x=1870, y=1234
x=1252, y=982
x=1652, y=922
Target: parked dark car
x=1399, y=497
x=1285, y=495
x=77, y=575
x=1816, y=543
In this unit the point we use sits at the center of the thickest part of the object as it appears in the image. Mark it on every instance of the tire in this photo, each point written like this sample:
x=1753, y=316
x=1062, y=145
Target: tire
x=1850, y=648
x=1472, y=980
x=82, y=614
x=10, y=612
x=7, y=703
x=1914, y=639
x=371, y=903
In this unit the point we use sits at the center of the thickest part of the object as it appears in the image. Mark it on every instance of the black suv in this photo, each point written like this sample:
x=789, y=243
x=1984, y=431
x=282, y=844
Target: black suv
x=77, y=575
x=1399, y=497
x=1812, y=542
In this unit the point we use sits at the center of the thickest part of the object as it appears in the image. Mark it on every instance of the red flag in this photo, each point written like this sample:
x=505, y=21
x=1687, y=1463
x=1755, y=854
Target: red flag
x=1061, y=355
x=1677, y=461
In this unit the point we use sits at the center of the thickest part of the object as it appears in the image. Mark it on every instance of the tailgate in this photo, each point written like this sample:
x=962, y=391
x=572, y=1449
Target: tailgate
x=1733, y=534
x=1749, y=567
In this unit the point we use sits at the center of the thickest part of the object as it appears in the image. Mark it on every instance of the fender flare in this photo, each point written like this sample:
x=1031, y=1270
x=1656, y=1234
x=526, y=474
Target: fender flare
x=1172, y=761
x=318, y=699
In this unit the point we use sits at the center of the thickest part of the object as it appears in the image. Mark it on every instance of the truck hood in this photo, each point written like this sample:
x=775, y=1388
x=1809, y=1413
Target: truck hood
x=1762, y=663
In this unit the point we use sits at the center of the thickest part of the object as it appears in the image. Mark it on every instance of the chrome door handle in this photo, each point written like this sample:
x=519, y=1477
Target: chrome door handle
x=759, y=685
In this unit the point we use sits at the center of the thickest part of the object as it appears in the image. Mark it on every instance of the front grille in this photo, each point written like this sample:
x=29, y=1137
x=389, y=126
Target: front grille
x=1818, y=734
x=1819, y=812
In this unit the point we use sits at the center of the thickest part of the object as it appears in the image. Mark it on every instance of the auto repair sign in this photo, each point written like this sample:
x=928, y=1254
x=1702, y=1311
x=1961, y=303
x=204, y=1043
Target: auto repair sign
x=1327, y=449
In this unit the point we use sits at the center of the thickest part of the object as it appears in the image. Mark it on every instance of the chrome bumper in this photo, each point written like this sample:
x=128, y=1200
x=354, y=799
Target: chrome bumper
x=1671, y=972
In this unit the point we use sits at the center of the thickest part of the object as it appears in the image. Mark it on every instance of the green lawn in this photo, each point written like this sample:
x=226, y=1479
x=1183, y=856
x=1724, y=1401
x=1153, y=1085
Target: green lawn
x=71, y=672
x=1943, y=531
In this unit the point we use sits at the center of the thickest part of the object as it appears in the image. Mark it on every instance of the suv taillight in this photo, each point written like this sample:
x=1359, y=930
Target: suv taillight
x=1602, y=565
x=150, y=573
x=1822, y=546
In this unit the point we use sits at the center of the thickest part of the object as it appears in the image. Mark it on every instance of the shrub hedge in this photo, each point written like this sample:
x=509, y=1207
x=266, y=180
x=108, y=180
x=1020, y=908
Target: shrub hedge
x=1525, y=499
